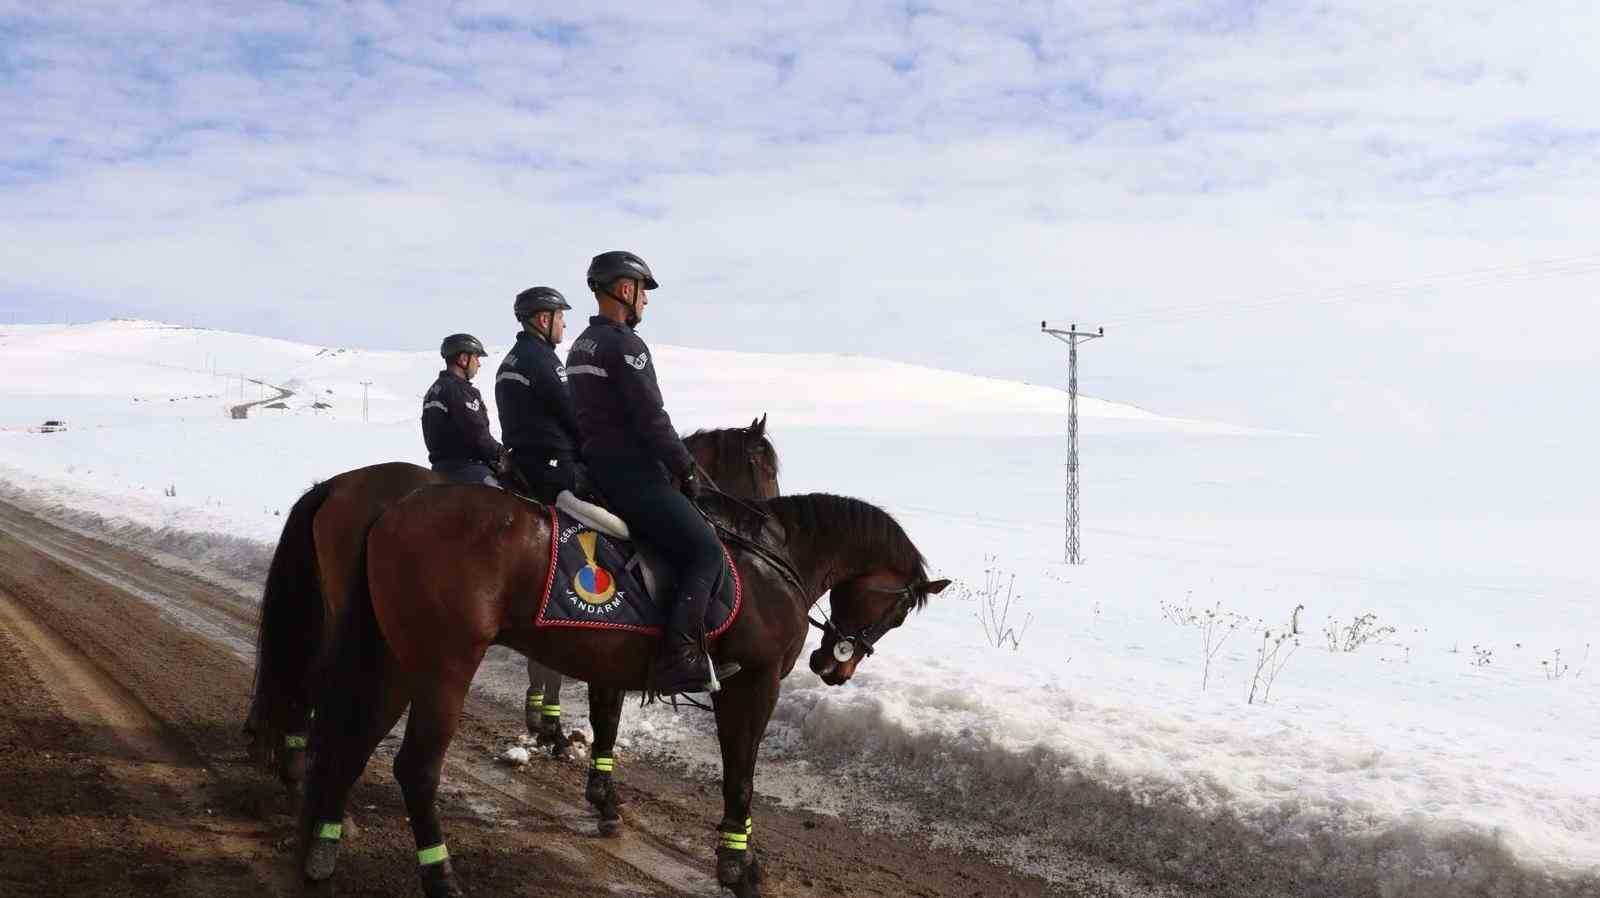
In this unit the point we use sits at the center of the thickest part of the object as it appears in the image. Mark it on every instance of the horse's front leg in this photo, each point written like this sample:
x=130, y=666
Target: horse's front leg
x=743, y=708
x=543, y=709
x=605, y=715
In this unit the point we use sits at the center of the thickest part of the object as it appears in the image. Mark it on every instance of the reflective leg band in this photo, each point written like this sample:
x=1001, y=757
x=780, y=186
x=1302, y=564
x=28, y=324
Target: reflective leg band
x=749, y=825
x=736, y=841
x=604, y=765
x=330, y=831
x=438, y=854
x=294, y=742
x=552, y=710
x=536, y=700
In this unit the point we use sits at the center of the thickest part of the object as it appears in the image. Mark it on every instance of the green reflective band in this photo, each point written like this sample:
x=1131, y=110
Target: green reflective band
x=749, y=825
x=294, y=742
x=736, y=841
x=427, y=857
x=330, y=831
x=604, y=765
x=552, y=710
x=536, y=699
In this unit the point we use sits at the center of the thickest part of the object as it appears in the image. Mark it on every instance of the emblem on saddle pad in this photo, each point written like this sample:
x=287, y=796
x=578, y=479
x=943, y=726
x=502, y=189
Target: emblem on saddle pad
x=592, y=583
x=593, y=589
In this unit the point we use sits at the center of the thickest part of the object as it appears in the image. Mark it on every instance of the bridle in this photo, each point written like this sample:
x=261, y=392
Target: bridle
x=863, y=638
x=755, y=467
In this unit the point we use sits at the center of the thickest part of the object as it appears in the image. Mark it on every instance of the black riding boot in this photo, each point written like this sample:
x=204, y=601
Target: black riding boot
x=682, y=664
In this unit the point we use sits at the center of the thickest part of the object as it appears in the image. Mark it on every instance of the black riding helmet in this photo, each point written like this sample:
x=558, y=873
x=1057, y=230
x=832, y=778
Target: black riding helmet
x=534, y=300
x=619, y=263
x=455, y=344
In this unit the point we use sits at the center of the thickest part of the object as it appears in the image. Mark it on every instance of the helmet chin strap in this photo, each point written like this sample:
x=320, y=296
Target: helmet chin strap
x=633, y=312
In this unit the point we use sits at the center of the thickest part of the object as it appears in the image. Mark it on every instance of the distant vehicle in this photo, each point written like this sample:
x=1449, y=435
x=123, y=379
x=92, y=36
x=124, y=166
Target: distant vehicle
x=52, y=426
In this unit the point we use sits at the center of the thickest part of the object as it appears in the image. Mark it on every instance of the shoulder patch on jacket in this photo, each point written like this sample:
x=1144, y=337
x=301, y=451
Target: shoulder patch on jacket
x=637, y=361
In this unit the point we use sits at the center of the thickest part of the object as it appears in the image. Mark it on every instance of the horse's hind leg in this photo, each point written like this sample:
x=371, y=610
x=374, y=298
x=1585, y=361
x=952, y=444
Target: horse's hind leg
x=605, y=715
x=435, y=714
x=343, y=748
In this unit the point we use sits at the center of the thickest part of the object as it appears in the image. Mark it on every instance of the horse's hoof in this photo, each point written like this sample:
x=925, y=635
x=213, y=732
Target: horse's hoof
x=610, y=828
x=739, y=872
x=321, y=859
x=439, y=881
x=292, y=772
x=601, y=793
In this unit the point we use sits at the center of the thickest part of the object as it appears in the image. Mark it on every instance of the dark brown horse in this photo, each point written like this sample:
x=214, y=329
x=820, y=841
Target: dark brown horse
x=446, y=566
x=311, y=570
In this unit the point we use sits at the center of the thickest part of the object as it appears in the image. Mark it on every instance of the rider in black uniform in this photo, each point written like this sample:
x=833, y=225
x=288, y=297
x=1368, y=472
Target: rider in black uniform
x=455, y=424
x=537, y=418
x=635, y=455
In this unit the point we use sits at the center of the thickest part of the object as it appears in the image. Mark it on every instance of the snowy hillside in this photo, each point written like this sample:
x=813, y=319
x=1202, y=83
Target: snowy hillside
x=1450, y=755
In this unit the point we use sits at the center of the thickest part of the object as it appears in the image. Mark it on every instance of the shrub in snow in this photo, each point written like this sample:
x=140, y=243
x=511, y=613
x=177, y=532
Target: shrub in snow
x=1555, y=668
x=1214, y=625
x=1271, y=658
x=1356, y=634
x=1481, y=657
x=995, y=600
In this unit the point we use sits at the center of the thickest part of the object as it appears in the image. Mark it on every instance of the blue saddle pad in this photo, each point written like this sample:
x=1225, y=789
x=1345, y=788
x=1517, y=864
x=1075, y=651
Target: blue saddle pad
x=596, y=581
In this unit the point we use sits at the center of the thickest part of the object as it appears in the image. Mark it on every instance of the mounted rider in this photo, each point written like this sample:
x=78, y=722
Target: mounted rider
x=635, y=455
x=455, y=423
x=538, y=420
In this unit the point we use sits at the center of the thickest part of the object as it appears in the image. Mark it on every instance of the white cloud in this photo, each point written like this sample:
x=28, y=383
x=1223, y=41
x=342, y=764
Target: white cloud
x=924, y=186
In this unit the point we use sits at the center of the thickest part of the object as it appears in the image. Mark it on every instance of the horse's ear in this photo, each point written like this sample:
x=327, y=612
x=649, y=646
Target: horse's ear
x=758, y=427
x=935, y=587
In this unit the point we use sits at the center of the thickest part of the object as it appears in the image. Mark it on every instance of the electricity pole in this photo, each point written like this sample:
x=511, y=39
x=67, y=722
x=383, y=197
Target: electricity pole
x=364, y=385
x=1072, y=337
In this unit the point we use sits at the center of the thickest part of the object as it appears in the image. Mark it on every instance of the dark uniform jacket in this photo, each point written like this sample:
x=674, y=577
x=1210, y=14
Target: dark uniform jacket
x=455, y=425
x=620, y=415
x=537, y=417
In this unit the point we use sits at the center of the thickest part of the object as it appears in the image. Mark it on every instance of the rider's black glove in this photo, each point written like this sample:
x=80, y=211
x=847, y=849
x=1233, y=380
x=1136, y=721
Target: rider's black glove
x=689, y=484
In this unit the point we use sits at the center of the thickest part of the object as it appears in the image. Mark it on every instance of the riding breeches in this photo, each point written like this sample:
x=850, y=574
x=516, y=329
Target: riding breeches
x=467, y=472
x=660, y=516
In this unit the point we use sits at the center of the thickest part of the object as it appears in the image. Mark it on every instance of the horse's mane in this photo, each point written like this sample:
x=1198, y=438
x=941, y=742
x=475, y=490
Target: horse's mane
x=853, y=522
x=732, y=441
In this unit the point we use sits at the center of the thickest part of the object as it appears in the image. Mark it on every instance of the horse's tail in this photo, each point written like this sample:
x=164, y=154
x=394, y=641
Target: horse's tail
x=351, y=672
x=288, y=636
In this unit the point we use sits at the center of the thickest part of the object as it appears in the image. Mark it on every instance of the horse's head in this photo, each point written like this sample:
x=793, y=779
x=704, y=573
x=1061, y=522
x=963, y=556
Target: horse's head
x=863, y=610
x=763, y=458
x=740, y=460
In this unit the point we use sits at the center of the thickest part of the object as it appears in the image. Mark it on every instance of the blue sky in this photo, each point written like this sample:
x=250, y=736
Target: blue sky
x=1349, y=194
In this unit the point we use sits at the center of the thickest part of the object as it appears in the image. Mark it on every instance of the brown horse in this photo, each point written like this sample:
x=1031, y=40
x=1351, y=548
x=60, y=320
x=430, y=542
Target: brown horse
x=446, y=566
x=311, y=571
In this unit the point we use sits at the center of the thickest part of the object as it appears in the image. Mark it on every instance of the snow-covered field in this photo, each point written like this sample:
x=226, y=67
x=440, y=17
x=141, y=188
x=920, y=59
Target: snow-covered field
x=1453, y=756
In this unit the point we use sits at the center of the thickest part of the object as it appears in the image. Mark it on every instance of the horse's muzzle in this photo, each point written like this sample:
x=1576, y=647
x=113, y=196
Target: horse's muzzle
x=824, y=665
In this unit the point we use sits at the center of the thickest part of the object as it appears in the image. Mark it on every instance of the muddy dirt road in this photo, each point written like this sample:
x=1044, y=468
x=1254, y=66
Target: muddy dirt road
x=123, y=772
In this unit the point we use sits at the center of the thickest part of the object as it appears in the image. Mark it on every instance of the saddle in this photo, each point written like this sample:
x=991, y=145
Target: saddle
x=601, y=579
